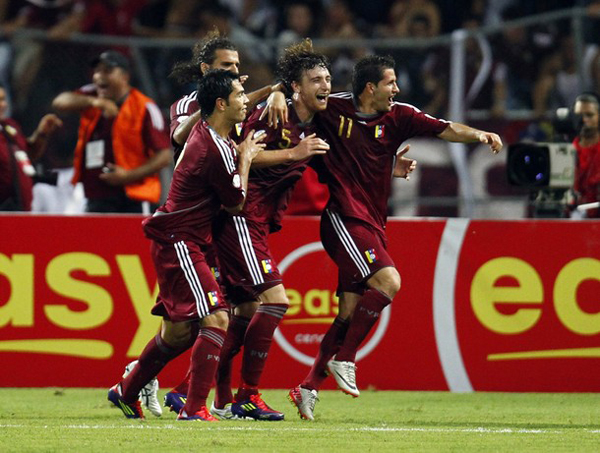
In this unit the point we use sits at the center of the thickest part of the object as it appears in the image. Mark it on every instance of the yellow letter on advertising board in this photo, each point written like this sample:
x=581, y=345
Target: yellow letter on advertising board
x=323, y=306
x=142, y=299
x=18, y=310
x=97, y=299
x=565, y=296
x=295, y=299
x=336, y=304
x=484, y=295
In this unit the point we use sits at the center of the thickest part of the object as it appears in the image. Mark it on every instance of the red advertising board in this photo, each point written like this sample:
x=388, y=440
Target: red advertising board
x=484, y=305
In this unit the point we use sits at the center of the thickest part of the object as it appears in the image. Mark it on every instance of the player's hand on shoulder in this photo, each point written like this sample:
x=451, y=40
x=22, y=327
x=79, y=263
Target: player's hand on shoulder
x=276, y=110
x=309, y=146
x=489, y=138
x=251, y=145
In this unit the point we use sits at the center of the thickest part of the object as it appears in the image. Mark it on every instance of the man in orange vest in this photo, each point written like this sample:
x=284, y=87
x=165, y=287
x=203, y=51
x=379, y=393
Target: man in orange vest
x=122, y=142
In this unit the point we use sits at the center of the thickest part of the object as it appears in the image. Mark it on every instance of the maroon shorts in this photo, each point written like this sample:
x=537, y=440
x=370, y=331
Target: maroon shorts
x=358, y=249
x=248, y=268
x=188, y=290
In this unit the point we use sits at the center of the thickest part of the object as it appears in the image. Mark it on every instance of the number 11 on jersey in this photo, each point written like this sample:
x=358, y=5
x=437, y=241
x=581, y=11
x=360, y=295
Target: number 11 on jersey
x=342, y=124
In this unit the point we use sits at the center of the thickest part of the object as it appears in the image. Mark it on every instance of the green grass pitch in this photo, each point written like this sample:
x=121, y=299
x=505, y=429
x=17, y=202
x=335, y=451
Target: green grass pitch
x=82, y=420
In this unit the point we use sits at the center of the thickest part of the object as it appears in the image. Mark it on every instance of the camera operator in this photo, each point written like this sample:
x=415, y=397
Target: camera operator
x=587, y=144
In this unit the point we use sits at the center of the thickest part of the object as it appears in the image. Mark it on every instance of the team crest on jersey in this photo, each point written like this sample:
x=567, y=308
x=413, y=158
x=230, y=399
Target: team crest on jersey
x=267, y=266
x=216, y=273
x=238, y=129
x=379, y=131
x=213, y=298
x=371, y=255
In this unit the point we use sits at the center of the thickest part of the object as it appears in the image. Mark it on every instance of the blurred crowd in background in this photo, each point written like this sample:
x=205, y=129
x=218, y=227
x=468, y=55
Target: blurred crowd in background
x=533, y=70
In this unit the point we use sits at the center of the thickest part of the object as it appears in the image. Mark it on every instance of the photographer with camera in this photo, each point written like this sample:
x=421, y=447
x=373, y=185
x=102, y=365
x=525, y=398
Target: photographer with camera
x=587, y=145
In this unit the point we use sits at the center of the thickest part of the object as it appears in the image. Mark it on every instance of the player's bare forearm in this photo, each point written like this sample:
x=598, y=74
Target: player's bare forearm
x=261, y=94
x=272, y=157
x=182, y=132
x=258, y=96
x=308, y=147
x=457, y=132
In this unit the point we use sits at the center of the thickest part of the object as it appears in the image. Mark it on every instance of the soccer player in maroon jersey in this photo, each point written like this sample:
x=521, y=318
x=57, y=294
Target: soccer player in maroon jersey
x=209, y=174
x=214, y=52
x=365, y=129
x=254, y=284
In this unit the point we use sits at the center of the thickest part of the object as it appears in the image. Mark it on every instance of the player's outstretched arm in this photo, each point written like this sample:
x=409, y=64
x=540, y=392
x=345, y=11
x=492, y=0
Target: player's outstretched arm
x=308, y=147
x=457, y=132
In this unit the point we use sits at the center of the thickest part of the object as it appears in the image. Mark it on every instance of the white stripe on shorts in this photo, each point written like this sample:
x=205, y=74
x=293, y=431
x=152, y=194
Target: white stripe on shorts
x=185, y=261
x=348, y=243
x=247, y=249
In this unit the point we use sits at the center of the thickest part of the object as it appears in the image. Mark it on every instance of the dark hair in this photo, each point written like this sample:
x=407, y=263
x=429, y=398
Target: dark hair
x=297, y=59
x=215, y=84
x=204, y=51
x=369, y=69
x=589, y=96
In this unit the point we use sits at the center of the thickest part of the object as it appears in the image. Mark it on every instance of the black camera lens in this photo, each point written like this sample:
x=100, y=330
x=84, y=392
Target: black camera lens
x=528, y=165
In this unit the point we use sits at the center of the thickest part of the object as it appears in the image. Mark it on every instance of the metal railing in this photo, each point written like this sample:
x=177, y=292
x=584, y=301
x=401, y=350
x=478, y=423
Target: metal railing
x=459, y=93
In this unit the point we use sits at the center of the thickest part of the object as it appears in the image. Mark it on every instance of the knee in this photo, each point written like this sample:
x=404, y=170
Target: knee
x=246, y=310
x=387, y=282
x=393, y=285
x=275, y=295
x=219, y=319
x=179, y=335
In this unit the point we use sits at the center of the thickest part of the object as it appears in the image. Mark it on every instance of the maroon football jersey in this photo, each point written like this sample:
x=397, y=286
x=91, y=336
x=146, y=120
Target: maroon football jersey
x=205, y=179
x=358, y=167
x=180, y=111
x=270, y=188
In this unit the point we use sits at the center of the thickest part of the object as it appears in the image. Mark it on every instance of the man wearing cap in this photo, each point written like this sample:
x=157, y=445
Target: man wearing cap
x=122, y=141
